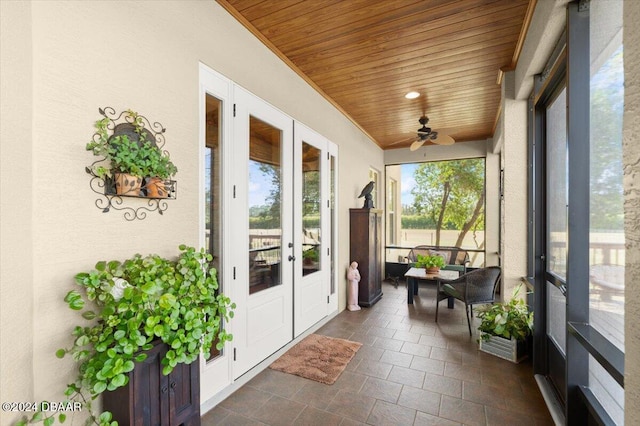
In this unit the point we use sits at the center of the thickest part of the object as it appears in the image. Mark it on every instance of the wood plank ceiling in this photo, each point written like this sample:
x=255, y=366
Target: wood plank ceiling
x=365, y=55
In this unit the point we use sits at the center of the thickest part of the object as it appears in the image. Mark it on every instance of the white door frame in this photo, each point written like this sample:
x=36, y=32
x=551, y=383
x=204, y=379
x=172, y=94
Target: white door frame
x=216, y=374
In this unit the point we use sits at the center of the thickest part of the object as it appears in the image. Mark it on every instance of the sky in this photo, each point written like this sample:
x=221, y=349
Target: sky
x=259, y=185
x=407, y=182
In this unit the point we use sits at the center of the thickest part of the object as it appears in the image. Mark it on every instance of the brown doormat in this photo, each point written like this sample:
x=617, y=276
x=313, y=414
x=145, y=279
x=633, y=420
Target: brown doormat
x=319, y=358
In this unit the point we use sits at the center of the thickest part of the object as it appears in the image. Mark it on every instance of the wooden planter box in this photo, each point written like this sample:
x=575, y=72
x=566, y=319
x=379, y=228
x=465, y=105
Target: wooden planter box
x=151, y=398
x=509, y=349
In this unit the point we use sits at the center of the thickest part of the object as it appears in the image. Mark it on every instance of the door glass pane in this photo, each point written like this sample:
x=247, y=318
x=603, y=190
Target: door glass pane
x=311, y=211
x=265, y=199
x=212, y=185
x=332, y=219
x=557, y=186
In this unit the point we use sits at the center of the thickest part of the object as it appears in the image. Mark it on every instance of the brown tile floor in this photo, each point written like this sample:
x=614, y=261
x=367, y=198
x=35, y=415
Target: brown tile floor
x=409, y=371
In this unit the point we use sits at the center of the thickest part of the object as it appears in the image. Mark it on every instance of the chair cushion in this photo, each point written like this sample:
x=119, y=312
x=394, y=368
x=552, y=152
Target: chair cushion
x=460, y=258
x=459, y=268
x=443, y=254
x=448, y=289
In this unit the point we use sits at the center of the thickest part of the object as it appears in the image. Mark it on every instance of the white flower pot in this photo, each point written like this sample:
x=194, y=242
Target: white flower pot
x=509, y=349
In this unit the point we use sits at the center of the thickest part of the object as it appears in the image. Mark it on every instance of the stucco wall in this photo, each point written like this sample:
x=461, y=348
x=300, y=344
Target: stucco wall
x=140, y=55
x=16, y=170
x=514, y=214
x=631, y=150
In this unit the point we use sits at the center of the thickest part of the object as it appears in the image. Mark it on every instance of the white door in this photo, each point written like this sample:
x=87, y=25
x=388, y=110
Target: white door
x=311, y=215
x=262, y=213
x=215, y=134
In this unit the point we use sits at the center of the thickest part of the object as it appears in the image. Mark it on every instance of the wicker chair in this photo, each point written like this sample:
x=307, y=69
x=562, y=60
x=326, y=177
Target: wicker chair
x=475, y=287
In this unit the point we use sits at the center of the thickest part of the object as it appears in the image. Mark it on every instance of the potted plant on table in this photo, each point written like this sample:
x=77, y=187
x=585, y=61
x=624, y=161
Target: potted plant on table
x=136, y=304
x=431, y=263
x=310, y=256
x=505, y=327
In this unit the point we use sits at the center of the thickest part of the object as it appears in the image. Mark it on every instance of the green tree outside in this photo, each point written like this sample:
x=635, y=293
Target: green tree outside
x=451, y=195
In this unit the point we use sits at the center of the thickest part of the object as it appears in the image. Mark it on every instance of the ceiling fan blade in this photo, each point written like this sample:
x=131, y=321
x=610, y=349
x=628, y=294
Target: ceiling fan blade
x=401, y=141
x=443, y=140
x=415, y=145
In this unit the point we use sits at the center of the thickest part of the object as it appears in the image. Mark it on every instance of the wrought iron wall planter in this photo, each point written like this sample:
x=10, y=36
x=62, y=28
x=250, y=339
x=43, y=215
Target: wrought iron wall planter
x=110, y=200
x=105, y=186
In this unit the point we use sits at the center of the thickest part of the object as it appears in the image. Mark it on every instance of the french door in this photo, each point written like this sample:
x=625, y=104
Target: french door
x=267, y=215
x=263, y=269
x=312, y=216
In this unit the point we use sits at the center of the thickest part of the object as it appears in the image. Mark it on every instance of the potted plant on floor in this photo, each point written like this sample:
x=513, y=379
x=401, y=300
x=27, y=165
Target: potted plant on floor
x=134, y=305
x=431, y=263
x=504, y=328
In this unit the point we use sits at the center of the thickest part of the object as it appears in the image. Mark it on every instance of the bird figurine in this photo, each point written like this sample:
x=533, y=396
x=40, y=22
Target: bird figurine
x=366, y=193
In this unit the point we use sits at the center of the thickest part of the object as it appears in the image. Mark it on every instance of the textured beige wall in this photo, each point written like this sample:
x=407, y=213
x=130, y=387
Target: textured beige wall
x=16, y=186
x=141, y=55
x=514, y=221
x=631, y=149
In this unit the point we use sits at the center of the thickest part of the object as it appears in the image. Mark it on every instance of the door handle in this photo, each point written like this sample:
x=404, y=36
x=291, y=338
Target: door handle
x=291, y=258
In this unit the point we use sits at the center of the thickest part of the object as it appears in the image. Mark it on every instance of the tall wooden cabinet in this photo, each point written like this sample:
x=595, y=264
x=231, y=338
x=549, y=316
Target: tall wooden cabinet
x=153, y=399
x=365, y=247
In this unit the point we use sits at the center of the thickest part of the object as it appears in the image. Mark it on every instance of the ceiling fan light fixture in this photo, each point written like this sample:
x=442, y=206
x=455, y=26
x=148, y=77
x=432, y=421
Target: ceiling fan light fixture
x=412, y=95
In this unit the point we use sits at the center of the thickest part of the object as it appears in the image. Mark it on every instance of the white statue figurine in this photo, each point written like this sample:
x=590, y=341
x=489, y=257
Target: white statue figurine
x=353, y=275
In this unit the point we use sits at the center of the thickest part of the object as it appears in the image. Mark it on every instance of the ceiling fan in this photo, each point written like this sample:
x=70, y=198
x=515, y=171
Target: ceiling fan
x=425, y=134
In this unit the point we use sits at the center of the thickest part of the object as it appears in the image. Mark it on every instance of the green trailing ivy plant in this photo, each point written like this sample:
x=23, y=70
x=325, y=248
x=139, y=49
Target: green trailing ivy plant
x=100, y=147
x=510, y=319
x=130, y=306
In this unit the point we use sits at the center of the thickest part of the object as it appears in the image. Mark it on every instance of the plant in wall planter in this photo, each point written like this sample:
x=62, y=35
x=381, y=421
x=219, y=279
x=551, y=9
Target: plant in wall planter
x=158, y=169
x=505, y=327
x=130, y=155
x=432, y=263
x=129, y=306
